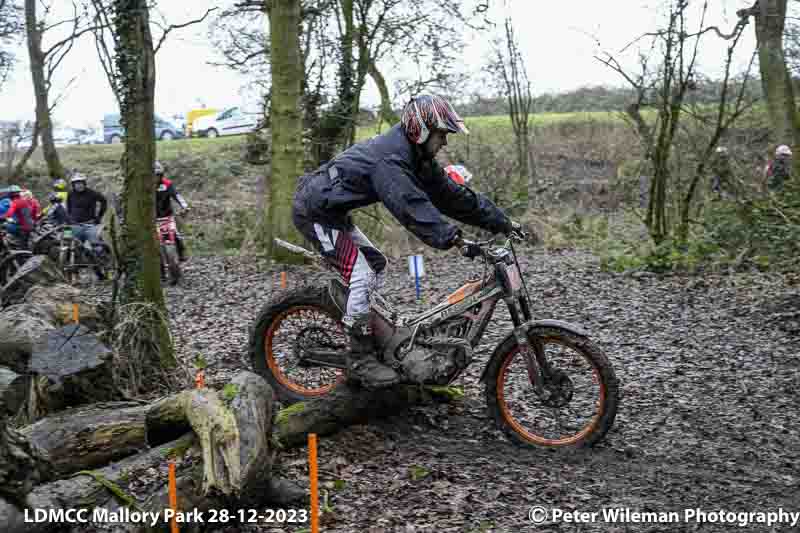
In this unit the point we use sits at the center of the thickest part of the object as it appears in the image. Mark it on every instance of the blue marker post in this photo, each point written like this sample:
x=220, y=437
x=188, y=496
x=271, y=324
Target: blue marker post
x=416, y=275
x=416, y=268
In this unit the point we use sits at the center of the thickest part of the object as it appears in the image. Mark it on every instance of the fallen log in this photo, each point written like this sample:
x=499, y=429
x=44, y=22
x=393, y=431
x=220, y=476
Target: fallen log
x=345, y=406
x=231, y=432
x=38, y=270
x=101, y=488
x=13, y=391
x=22, y=465
x=88, y=437
x=11, y=516
x=233, y=427
x=224, y=462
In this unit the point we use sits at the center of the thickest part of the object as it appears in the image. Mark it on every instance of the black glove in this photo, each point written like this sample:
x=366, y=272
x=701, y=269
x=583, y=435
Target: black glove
x=468, y=249
x=523, y=232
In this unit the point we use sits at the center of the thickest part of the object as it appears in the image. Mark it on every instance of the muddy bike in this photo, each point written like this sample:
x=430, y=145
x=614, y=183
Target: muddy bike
x=546, y=383
x=167, y=231
x=11, y=258
x=74, y=255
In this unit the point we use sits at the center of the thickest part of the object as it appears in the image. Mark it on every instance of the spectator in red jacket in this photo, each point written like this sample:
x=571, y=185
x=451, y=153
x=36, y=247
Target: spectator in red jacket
x=36, y=208
x=20, y=218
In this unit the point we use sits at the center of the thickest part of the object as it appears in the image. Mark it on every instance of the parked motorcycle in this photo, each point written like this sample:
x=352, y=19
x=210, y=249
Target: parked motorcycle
x=11, y=258
x=75, y=255
x=546, y=383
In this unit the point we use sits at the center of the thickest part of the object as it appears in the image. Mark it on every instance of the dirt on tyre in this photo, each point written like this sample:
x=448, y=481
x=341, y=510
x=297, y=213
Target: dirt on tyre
x=290, y=318
x=583, y=399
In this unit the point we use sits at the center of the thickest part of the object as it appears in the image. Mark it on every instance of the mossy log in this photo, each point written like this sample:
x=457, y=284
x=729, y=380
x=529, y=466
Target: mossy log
x=232, y=425
x=345, y=406
x=90, y=436
x=101, y=488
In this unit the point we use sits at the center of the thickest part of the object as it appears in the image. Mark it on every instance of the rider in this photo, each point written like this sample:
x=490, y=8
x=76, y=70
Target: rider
x=19, y=218
x=165, y=193
x=60, y=189
x=56, y=212
x=399, y=169
x=82, y=208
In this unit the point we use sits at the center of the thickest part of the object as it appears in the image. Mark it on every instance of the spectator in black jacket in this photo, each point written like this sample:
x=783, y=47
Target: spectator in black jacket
x=398, y=169
x=85, y=208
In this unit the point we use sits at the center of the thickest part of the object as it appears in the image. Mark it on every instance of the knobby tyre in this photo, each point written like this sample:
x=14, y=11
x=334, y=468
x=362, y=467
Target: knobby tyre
x=585, y=402
x=173, y=264
x=292, y=319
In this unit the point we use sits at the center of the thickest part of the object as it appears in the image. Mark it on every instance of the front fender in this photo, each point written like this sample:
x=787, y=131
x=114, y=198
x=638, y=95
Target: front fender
x=546, y=323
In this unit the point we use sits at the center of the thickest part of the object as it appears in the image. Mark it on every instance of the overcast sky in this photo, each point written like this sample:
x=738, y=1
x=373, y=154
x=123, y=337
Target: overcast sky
x=556, y=38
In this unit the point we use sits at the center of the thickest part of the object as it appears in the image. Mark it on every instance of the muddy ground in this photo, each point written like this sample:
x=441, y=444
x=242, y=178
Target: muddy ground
x=708, y=367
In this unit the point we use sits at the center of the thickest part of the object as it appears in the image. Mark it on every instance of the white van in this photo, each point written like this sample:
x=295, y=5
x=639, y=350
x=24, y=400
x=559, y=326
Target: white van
x=231, y=121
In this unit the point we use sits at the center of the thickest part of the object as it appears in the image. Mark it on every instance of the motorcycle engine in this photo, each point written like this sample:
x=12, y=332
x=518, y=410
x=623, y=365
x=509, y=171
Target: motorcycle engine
x=435, y=359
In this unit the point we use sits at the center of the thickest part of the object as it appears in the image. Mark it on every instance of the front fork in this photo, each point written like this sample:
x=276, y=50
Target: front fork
x=520, y=312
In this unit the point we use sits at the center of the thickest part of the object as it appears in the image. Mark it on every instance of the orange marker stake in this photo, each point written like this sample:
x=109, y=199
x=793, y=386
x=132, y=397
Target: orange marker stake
x=312, y=473
x=173, y=496
x=75, y=313
x=283, y=280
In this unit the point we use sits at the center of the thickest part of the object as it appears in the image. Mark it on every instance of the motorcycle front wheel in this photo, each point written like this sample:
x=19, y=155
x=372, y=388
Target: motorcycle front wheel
x=580, y=399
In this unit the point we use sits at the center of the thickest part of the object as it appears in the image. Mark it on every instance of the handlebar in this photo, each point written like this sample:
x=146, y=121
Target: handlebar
x=472, y=249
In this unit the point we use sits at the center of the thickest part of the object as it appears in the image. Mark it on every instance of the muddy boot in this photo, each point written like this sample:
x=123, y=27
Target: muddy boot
x=363, y=366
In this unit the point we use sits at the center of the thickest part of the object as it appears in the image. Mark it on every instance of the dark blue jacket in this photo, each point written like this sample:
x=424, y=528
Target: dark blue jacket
x=389, y=169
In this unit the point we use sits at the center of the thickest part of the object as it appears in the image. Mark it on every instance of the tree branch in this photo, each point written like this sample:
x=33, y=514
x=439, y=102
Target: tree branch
x=172, y=27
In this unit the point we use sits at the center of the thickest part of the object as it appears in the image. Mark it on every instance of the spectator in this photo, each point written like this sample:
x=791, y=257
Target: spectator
x=721, y=174
x=19, y=218
x=779, y=170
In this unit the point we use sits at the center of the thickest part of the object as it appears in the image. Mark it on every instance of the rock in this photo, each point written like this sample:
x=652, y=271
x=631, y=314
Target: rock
x=77, y=362
x=20, y=327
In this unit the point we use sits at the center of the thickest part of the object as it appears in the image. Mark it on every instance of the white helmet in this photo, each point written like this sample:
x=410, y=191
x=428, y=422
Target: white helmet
x=76, y=177
x=783, y=150
x=722, y=150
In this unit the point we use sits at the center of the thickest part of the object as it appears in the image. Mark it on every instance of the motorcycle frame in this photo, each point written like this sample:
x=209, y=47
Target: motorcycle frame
x=168, y=235
x=493, y=289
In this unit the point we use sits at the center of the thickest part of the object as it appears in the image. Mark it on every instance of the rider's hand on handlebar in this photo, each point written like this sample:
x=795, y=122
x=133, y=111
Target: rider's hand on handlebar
x=523, y=233
x=468, y=249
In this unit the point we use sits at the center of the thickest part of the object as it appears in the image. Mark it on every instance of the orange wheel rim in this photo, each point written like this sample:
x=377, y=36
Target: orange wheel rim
x=276, y=370
x=538, y=439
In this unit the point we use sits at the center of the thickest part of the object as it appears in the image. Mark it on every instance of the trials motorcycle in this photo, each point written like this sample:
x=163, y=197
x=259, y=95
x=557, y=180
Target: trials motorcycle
x=546, y=384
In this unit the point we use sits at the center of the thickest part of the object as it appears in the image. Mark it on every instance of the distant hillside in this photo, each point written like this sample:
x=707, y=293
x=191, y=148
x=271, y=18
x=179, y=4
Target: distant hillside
x=590, y=98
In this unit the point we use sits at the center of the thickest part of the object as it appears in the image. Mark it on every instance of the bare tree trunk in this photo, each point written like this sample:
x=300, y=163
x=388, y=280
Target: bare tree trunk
x=29, y=152
x=776, y=82
x=386, y=113
x=287, y=123
x=41, y=89
x=140, y=261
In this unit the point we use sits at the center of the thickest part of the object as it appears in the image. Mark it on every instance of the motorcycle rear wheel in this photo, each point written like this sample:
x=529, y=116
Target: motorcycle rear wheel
x=291, y=317
x=170, y=258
